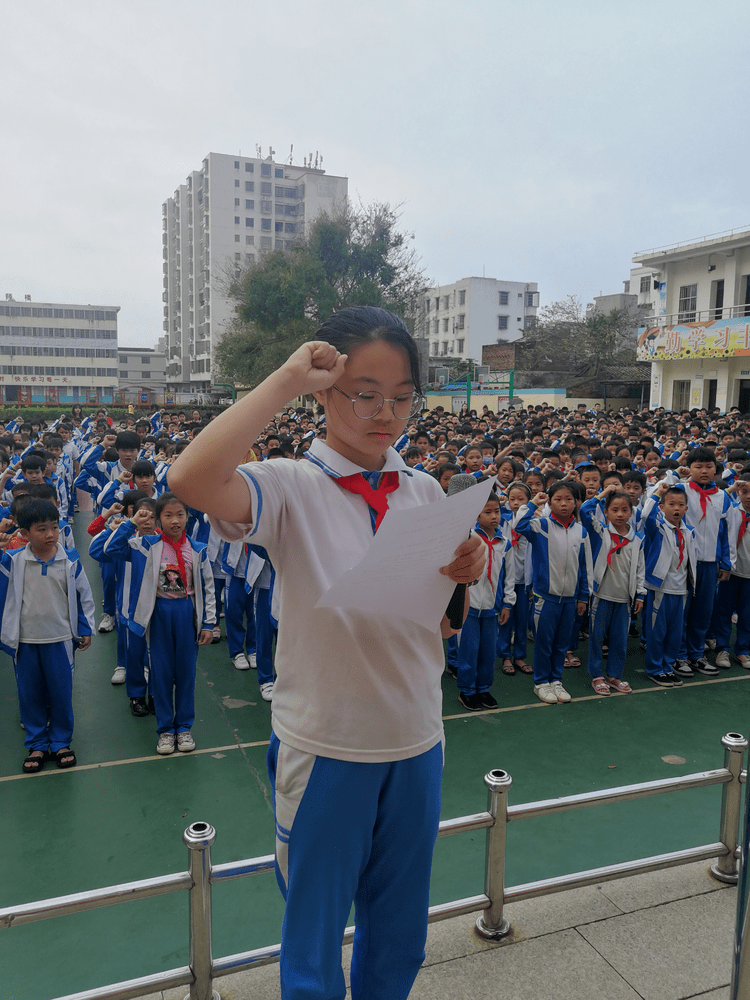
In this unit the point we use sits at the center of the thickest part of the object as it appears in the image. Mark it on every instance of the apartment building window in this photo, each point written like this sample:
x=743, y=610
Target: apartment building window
x=237, y=183
x=686, y=308
x=249, y=203
x=681, y=393
x=461, y=320
x=249, y=185
x=250, y=258
x=437, y=303
x=530, y=300
x=279, y=227
x=290, y=227
x=503, y=298
x=434, y=347
x=462, y=297
x=237, y=255
x=249, y=168
x=445, y=347
x=145, y=361
x=446, y=301
x=236, y=220
x=236, y=202
x=265, y=206
x=265, y=242
x=236, y=237
x=645, y=283
x=445, y=325
x=250, y=223
x=278, y=172
x=266, y=187
x=502, y=322
x=249, y=241
x=435, y=326
x=427, y=303
x=123, y=373
x=265, y=223
x=236, y=164
x=460, y=346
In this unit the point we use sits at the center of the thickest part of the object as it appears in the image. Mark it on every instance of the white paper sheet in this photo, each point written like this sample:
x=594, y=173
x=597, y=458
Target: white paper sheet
x=398, y=575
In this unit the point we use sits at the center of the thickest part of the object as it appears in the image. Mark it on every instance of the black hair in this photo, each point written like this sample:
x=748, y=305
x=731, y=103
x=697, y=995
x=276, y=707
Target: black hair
x=355, y=325
x=129, y=500
x=33, y=462
x=111, y=455
x=598, y=454
x=622, y=463
x=449, y=466
x=164, y=499
x=414, y=452
x=277, y=453
x=127, y=441
x=33, y=511
x=42, y=491
x=559, y=485
x=700, y=455
x=143, y=468
x=20, y=489
x=552, y=475
x=53, y=441
x=518, y=485
x=738, y=455
x=675, y=489
x=617, y=495
x=635, y=477
x=15, y=504
x=610, y=474
x=145, y=502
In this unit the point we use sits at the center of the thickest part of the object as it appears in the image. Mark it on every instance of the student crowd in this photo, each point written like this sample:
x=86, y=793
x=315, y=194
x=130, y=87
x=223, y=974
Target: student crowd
x=601, y=525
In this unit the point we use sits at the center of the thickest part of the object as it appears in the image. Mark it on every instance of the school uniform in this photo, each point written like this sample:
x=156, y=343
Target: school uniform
x=260, y=579
x=494, y=591
x=170, y=613
x=45, y=607
x=618, y=581
x=239, y=617
x=511, y=637
x=561, y=569
x=733, y=595
x=356, y=758
x=670, y=567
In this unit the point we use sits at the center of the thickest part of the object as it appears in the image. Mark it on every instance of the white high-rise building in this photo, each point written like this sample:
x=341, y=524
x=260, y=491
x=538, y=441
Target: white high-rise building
x=458, y=320
x=226, y=214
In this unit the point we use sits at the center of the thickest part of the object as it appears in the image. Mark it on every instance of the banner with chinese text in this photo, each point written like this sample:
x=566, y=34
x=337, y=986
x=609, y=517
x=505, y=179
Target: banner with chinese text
x=718, y=338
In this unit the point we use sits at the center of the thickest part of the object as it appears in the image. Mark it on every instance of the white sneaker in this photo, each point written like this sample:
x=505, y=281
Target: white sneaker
x=545, y=693
x=165, y=744
x=710, y=644
x=240, y=662
x=107, y=623
x=118, y=677
x=252, y=661
x=185, y=742
x=559, y=691
x=722, y=659
x=744, y=660
x=266, y=691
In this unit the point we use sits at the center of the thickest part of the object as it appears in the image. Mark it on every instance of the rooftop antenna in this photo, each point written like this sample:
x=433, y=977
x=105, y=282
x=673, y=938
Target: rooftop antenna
x=258, y=152
x=271, y=153
x=291, y=150
x=316, y=159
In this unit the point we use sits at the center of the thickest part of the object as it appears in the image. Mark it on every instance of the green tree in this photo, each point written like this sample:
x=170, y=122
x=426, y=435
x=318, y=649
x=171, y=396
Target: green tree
x=352, y=256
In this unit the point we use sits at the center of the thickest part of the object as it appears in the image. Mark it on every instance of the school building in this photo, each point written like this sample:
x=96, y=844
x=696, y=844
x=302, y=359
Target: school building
x=697, y=331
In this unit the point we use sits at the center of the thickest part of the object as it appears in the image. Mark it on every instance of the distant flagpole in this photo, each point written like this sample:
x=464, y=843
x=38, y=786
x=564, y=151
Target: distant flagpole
x=468, y=390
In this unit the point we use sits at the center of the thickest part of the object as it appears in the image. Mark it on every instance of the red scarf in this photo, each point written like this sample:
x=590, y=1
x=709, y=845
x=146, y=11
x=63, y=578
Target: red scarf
x=618, y=542
x=490, y=543
x=179, y=558
x=565, y=524
x=743, y=527
x=680, y=546
x=514, y=536
x=704, y=492
x=376, y=499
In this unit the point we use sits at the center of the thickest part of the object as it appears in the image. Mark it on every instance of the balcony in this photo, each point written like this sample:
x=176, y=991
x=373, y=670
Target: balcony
x=698, y=316
x=698, y=334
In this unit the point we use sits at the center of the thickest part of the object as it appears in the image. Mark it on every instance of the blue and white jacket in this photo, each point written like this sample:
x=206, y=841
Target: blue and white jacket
x=561, y=557
x=143, y=554
x=80, y=601
x=495, y=588
x=601, y=542
x=115, y=491
x=660, y=545
x=714, y=542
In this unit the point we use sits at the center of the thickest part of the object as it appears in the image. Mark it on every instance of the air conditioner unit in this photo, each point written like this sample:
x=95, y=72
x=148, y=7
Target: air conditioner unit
x=441, y=380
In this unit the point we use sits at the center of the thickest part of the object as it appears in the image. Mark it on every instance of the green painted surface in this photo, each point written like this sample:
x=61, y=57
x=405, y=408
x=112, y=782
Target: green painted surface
x=100, y=825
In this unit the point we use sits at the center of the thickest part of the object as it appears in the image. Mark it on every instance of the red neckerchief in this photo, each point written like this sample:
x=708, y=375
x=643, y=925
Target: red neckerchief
x=743, y=527
x=377, y=499
x=514, y=536
x=704, y=492
x=554, y=517
x=490, y=543
x=177, y=549
x=680, y=546
x=618, y=542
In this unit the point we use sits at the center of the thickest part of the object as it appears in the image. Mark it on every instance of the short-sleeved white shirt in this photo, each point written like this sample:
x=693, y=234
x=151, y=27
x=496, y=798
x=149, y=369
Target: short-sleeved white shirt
x=349, y=686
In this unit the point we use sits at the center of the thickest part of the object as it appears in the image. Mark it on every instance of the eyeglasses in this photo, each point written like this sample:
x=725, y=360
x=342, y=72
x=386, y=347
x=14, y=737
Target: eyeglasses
x=367, y=404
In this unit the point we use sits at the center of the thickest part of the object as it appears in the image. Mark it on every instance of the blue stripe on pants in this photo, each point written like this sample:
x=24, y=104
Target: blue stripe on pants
x=553, y=625
x=363, y=833
x=476, y=654
x=613, y=618
x=665, y=613
x=109, y=587
x=238, y=608
x=264, y=634
x=173, y=653
x=733, y=595
x=44, y=676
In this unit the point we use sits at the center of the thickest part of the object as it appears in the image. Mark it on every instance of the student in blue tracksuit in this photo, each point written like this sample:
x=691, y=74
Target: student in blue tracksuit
x=670, y=566
x=618, y=584
x=511, y=637
x=733, y=595
x=356, y=751
x=169, y=592
x=493, y=594
x=561, y=569
x=47, y=611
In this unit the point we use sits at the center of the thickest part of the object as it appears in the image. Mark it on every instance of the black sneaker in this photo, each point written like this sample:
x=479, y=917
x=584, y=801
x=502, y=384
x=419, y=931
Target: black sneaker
x=662, y=680
x=633, y=632
x=683, y=668
x=676, y=681
x=471, y=702
x=450, y=669
x=702, y=666
x=151, y=706
x=138, y=707
x=486, y=700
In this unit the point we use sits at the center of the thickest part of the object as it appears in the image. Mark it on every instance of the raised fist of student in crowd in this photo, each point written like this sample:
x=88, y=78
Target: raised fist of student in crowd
x=429, y=464
x=640, y=462
x=662, y=488
x=609, y=489
x=540, y=499
x=683, y=472
x=204, y=639
x=4, y=540
x=5, y=523
x=125, y=476
x=108, y=441
x=491, y=470
x=314, y=367
x=142, y=517
x=161, y=457
x=116, y=508
x=652, y=471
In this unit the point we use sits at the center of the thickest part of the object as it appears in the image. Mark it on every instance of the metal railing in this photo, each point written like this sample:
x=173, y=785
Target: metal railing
x=714, y=237
x=201, y=875
x=695, y=316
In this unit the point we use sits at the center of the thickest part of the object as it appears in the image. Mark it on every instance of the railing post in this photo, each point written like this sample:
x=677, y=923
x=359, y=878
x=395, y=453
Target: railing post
x=492, y=924
x=739, y=988
x=725, y=868
x=199, y=837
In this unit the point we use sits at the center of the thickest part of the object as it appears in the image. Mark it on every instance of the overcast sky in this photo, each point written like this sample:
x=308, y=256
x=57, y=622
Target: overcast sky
x=531, y=141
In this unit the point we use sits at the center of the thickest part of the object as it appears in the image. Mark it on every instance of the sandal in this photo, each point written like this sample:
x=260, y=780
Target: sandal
x=60, y=756
x=600, y=686
x=508, y=668
x=619, y=685
x=35, y=762
x=524, y=667
x=571, y=661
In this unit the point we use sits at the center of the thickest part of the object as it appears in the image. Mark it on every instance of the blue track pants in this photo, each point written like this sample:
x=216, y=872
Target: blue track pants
x=476, y=654
x=109, y=586
x=238, y=609
x=733, y=596
x=516, y=625
x=553, y=625
x=264, y=635
x=698, y=611
x=613, y=618
x=359, y=833
x=664, y=613
x=44, y=676
x=135, y=666
x=173, y=653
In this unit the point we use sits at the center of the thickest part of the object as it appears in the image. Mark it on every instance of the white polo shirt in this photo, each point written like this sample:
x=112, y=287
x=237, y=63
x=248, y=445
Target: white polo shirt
x=350, y=686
